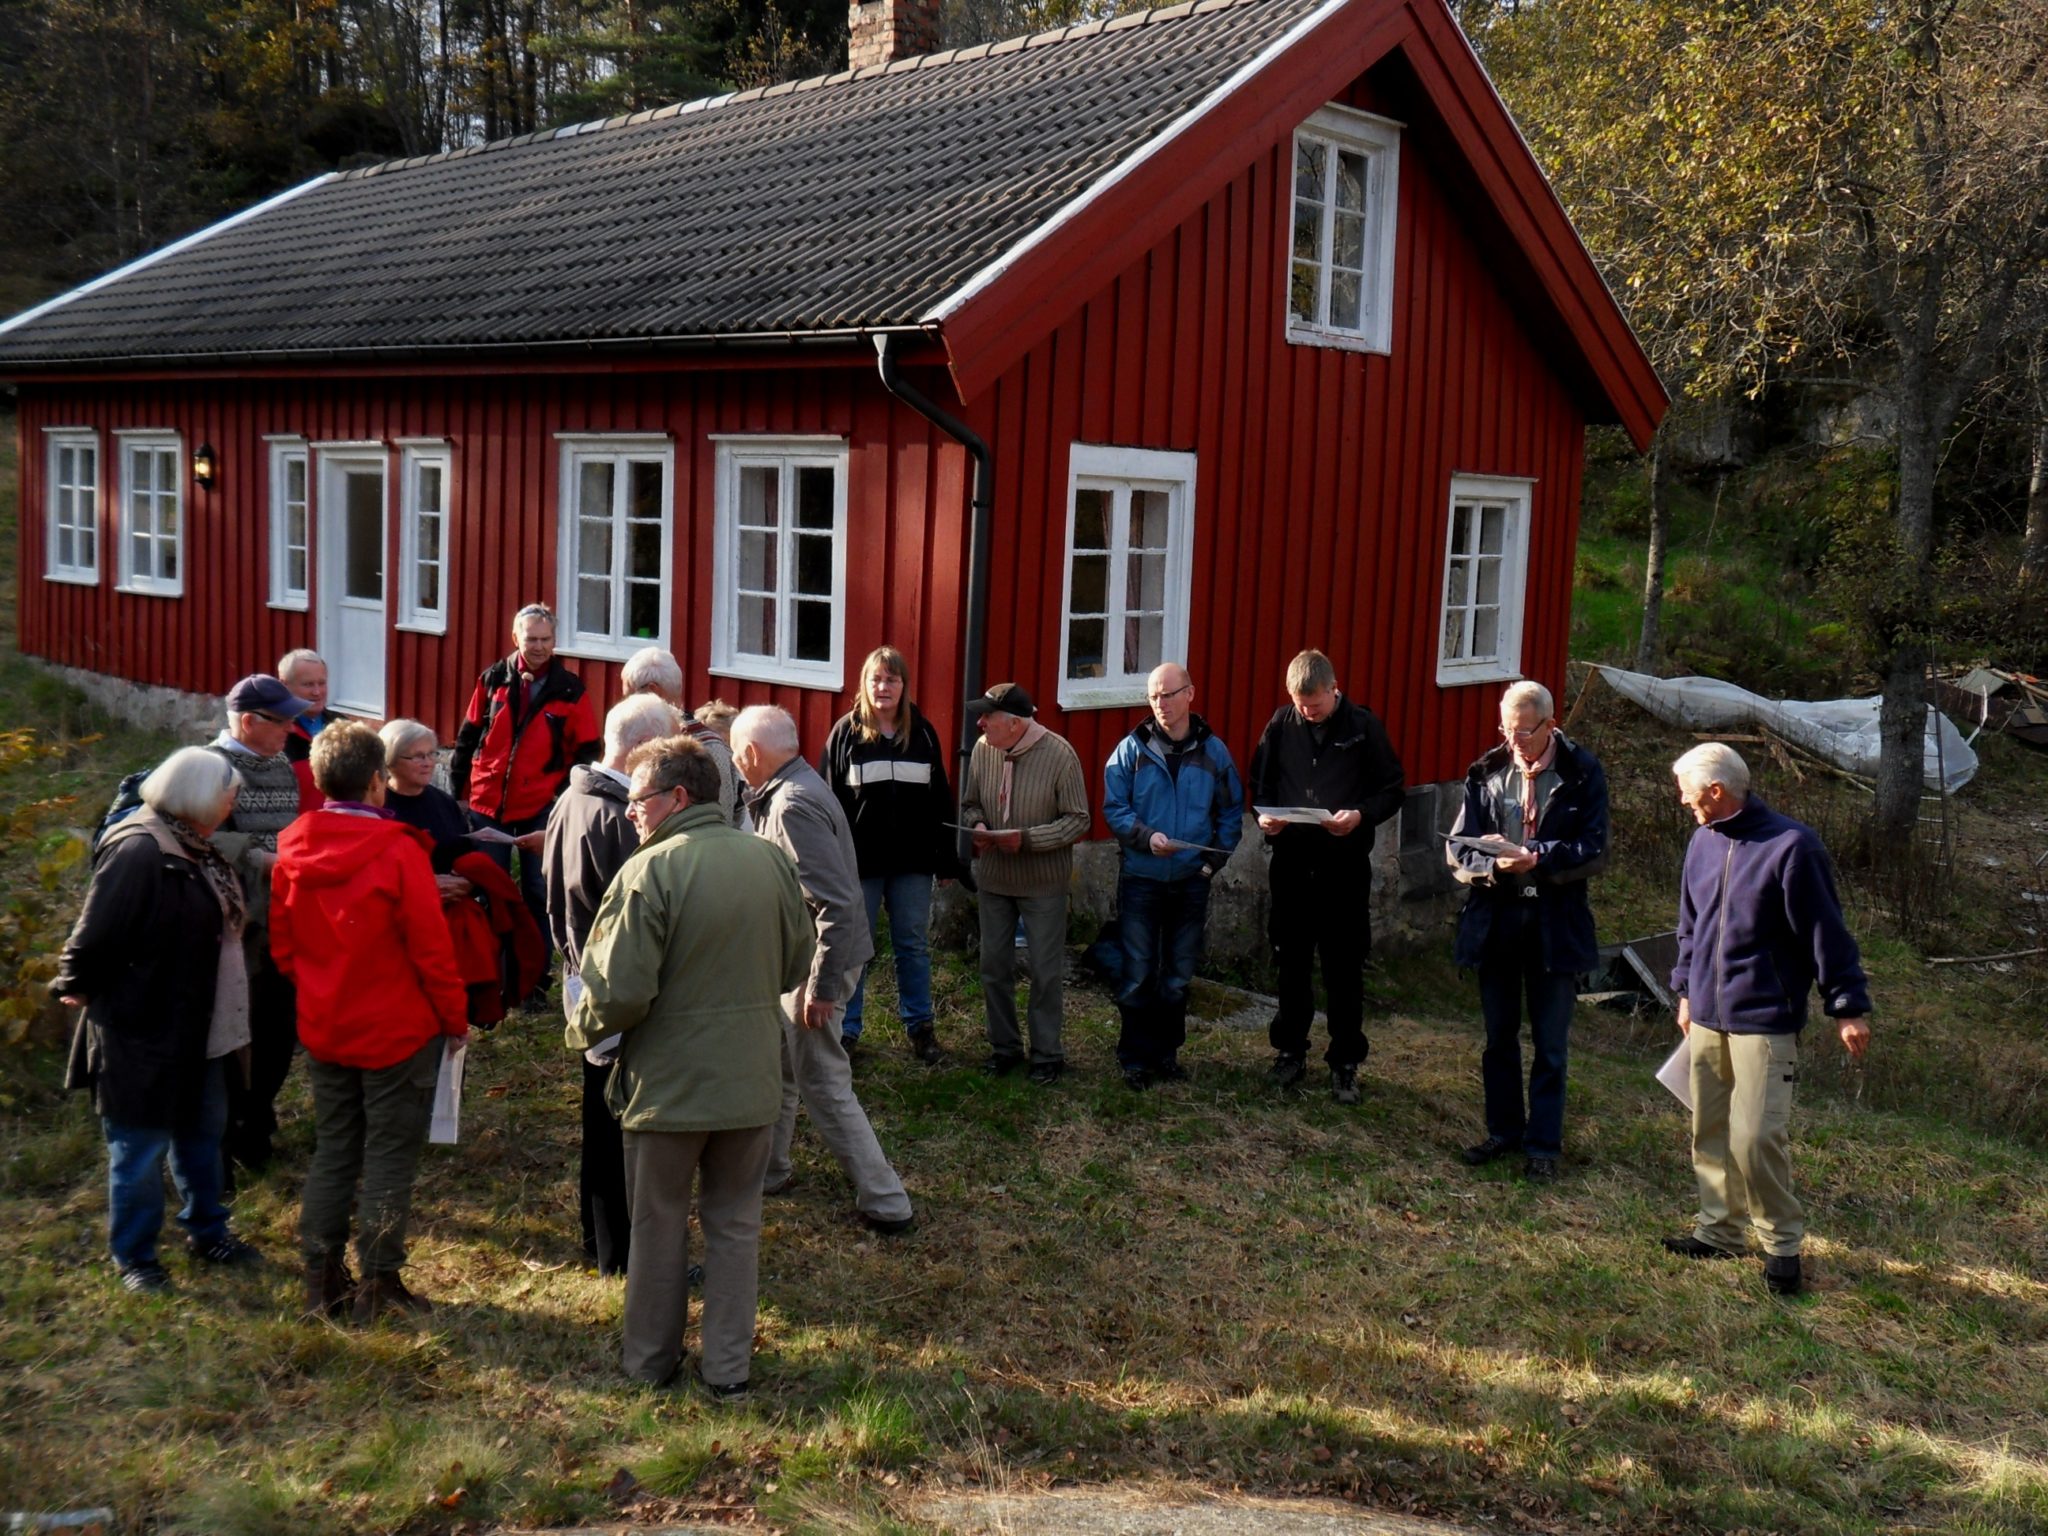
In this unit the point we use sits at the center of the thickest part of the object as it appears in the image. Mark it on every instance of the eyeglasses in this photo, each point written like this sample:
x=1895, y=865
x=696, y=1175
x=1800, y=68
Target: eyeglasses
x=634, y=802
x=1515, y=734
x=418, y=757
x=1171, y=693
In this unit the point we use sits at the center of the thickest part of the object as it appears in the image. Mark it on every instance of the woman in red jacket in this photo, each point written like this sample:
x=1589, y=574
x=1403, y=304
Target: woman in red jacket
x=356, y=924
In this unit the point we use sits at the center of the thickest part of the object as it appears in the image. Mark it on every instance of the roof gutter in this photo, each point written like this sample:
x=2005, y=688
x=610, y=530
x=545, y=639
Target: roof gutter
x=981, y=515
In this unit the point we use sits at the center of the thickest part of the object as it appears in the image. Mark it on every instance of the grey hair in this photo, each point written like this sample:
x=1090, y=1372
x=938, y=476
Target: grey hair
x=638, y=718
x=1526, y=692
x=399, y=735
x=190, y=785
x=1311, y=672
x=298, y=658
x=535, y=611
x=768, y=725
x=652, y=667
x=1712, y=762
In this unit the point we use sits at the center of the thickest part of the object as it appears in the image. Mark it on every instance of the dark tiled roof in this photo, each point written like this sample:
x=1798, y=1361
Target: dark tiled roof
x=851, y=202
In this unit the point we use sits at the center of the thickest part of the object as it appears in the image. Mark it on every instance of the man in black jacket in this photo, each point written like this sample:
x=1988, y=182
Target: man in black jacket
x=1539, y=803
x=1328, y=755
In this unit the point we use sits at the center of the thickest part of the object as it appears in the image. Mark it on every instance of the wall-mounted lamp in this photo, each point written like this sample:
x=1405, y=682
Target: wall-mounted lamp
x=204, y=465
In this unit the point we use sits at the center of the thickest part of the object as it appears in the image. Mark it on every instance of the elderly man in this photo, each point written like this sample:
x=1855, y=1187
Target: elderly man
x=528, y=723
x=1328, y=755
x=305, y=674
x=795, y=810
x=590, y=836
x=1759, y=925
x=655, y=671
x=1172, y=797
x=688, y=958
x=1535, y=814
x=260, y=715
x=1027, y=804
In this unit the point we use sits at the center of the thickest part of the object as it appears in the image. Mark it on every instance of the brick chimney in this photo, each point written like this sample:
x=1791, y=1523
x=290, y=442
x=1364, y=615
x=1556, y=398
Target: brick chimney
x=882, y=31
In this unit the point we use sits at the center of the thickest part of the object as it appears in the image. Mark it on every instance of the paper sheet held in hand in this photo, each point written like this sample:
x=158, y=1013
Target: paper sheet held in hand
x=491, y=835
x=1499, y=850
x=447, y=1121
x=1676, y=1074
x=1307, y=815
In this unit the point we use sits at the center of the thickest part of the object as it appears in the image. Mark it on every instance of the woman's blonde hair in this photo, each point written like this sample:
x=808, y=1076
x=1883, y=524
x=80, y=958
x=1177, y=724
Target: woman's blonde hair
x=867, y=724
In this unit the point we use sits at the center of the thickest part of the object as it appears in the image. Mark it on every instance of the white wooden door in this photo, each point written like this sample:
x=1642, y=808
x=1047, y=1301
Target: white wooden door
x=353, y=619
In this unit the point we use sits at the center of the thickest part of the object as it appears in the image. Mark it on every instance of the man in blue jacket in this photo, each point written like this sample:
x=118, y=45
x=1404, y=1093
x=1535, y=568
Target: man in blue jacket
x=1541, y=801
x=1758, y=925
x=1172, y=797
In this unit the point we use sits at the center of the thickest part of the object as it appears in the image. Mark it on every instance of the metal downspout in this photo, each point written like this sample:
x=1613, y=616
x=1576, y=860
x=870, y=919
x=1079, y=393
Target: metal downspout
x=974, y=643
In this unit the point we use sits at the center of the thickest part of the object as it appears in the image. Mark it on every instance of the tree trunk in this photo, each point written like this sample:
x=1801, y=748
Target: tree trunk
x=1902, y=720
x=1651, y=642
x=2034, y=547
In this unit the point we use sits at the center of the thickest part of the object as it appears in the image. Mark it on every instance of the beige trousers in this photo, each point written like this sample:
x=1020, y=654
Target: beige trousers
x=815, y=1070
x=660, y=1168
x=1742, y=1139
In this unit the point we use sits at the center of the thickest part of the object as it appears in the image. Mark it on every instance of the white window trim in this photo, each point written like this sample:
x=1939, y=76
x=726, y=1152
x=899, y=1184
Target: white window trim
x=55, y=439
x=572, y=447
x=1379, y=138
x=126, y=444
x=1506, y=666
x=282, y=596
x=1152, y=468
x=735, y=452
x=413, y=453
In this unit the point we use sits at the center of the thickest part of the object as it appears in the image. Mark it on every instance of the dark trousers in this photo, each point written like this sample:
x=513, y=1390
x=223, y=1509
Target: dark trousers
x=1321, y=905
x=601, y=1175
x=273, y=1037
x=1160, y=925
x=1511, y=970
x=135, y=1175
x=533, y=883
x=369, y=1126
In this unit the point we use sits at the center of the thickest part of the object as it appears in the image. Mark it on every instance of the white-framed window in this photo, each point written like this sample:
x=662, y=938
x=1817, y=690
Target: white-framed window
x=1486, y=571
x=72, y=530
x=290, y=560
x=1340, y=289
x=1130, y=533
x=617, y=494
x=426, y=467
x=778, y=590
x=152, y=513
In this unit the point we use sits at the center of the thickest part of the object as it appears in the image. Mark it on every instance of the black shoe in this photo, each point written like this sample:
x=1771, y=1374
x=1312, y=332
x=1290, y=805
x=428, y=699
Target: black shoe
x=924, y=1045
x=1169, y=1072
x=1479, y=1155
x=1690, y=1247
x=888, y=1226
x=1540, y=1170
x=1782, y=1276
x=1137, y=1079
x=145, y=1279
x=226, y=1249
x=781, y=1187
x=1046, y=1073
x=722, y=1391
x=999, y=1065
x=1344, y=1085
x=849, y=1044
x=1287, y=1070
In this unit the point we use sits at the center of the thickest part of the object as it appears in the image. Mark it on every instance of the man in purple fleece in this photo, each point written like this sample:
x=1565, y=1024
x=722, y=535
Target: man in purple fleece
x=1758, y=925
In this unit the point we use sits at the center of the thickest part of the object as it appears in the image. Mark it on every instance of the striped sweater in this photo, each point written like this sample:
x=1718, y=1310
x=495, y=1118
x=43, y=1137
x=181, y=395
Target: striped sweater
x=1048, y=799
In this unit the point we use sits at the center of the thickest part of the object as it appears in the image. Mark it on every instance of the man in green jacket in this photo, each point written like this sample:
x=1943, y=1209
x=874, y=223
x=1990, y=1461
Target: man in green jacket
x=693, y=946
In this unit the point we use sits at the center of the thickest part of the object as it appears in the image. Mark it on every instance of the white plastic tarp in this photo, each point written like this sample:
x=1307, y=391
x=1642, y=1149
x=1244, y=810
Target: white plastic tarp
x=1840, y=731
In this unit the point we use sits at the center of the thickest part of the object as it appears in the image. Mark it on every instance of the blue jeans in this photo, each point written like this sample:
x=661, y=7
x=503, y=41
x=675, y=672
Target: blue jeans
x=135, y=1176
x=1513, y=966
x=909, y=899
x=1160, y=924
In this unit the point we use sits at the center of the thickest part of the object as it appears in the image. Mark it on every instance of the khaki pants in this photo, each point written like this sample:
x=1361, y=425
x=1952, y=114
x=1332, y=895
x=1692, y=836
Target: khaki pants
x=815, y=1070
x=1742, y=1139
x=660, y=1168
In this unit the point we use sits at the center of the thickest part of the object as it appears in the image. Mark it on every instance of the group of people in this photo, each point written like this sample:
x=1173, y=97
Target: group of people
x=716, y=903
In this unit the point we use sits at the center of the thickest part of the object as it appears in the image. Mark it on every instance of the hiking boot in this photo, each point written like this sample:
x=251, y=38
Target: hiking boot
x=145, y=1279
x=849, y=1044
x=888, y=1226
x=1482, y=1153
x=722, y=1391
x=1781, y=1274
x=999, y=1065
x=1046, y=1073
x=924, y=1045
x=1344, y=1085
x=1137, y=1079
x=781, y=1186
x=1169, y=1072
x=226, y=1249
x=382, y=1294
x=329, y=1287
x=1540, y=1169
x=1287, y=1070
x=1690, y=1247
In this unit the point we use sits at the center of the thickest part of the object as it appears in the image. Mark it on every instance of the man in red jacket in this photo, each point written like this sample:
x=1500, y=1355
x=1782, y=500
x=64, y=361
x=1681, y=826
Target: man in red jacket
x=356, y=923
x=528, y=723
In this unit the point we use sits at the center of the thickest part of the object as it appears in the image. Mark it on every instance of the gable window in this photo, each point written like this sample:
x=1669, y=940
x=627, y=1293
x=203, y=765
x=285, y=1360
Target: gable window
x=153, y=513
x=73, y=533
x=1486, y=559
x=288, y=523
x=778, y=611
x=1340, y=290
x=1130, y=527
x=423, y=536
x=615, y=509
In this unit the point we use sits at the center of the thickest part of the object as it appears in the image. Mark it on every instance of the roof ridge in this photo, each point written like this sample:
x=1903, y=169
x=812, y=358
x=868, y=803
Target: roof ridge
x=1151, y=14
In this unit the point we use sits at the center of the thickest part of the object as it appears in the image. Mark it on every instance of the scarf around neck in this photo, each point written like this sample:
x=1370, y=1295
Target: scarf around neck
x=1034, y=733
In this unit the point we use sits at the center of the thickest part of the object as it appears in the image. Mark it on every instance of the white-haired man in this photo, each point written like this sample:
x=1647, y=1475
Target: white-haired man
x=797, y=811
x=1759, y=925
x=590, y=835
x=305, y=674
x=656, y=671
x=1538, y=805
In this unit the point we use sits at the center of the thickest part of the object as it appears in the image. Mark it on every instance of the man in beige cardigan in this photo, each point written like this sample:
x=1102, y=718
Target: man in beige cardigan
x=1027, y=803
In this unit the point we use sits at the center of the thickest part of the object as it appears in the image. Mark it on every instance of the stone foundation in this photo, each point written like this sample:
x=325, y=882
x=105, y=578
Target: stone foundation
x=194, y=718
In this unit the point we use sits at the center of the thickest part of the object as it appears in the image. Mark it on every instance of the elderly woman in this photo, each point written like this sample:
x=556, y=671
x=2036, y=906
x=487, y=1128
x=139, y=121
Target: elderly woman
x=411, y=753
x=155, y=961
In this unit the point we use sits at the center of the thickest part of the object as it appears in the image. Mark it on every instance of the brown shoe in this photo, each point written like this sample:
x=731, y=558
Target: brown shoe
x=329, y=1286
x=384, y=1293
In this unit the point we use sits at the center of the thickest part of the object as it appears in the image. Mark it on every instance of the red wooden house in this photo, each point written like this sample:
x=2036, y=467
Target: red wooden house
x=1273, y=331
